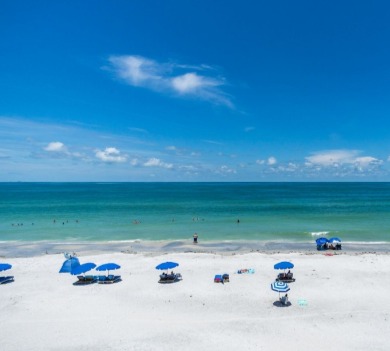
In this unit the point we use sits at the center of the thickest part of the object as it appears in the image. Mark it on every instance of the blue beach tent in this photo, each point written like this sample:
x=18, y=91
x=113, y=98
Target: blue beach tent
x=69, y=265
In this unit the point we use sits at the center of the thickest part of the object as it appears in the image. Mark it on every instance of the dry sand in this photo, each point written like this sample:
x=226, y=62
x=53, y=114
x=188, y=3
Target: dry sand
x=347, y=304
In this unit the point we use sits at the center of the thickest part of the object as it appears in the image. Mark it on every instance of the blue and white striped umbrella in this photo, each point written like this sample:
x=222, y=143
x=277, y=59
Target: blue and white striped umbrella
x=280, y=287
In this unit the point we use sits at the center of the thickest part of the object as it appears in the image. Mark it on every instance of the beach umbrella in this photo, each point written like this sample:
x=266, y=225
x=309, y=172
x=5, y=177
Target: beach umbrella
x=69, y=265
x=284, y=265
x=108, y=267
x=83, y=268
x=322, y=241
x=5, y=267
x=334, y=240
x=280, y=287
x=167, y=265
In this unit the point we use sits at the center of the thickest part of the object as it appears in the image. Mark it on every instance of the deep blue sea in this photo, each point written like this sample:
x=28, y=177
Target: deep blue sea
x=297, y=212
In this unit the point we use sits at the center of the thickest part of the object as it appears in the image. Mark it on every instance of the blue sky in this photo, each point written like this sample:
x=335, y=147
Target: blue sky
x=194, y=91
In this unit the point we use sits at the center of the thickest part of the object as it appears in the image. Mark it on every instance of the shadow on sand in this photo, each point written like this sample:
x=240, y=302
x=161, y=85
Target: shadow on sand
x=279, y=304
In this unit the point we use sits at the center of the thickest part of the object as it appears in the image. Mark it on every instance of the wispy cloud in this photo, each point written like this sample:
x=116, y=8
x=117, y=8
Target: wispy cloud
x=155, y=162
x=57, y=149
x=180, y=80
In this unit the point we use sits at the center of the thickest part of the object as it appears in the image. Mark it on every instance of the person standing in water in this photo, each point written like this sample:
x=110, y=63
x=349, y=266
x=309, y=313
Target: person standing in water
x=195, y=236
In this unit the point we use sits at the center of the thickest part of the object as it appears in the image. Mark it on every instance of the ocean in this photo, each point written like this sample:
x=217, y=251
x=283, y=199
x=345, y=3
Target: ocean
x=98, y=212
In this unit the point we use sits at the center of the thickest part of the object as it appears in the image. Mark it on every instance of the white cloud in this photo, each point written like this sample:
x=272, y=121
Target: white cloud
x=191, y=83
x=260, y=162
x=169, y=77
x=338, y=158
x=155, y=162
x=271, y=161
x=55, y=146
x=110, y=155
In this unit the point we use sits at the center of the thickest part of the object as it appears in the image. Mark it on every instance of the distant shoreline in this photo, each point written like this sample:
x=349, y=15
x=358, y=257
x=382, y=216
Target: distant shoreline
x=9, y=249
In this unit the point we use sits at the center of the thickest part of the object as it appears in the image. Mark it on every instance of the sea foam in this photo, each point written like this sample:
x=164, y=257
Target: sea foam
x=319, y=233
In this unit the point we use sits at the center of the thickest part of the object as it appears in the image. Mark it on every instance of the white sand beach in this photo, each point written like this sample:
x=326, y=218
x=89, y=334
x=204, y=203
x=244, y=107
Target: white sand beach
x=347, y=304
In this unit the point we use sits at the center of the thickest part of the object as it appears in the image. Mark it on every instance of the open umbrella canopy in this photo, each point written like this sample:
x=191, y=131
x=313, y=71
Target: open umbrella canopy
x=85, y=267
x=108, y=267
x=284, y=265
x=69, y=265
x=322, y=241
x=334, y=240
x=280, y=287
x=167, y=265
x=5, y=267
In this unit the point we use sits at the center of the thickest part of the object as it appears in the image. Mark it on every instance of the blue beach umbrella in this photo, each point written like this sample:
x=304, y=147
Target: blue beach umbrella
x=284, y=265
x=167, y=265
x=5, y=267
x=83, y=268
x=334, y=240
x=69, y=265
x=322, y=241
x=280, y=287
x=108, y=267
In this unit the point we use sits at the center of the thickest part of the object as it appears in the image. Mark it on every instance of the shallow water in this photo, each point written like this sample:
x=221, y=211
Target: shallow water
x=296, y=212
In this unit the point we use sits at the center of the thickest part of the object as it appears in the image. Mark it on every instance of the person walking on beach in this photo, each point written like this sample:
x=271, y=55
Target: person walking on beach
x=195, y=236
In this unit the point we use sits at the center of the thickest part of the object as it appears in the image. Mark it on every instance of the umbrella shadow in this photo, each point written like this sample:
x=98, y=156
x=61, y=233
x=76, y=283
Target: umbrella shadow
x=280, y=304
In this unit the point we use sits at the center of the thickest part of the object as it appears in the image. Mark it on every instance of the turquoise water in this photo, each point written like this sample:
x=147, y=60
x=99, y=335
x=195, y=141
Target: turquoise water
x=175, y=211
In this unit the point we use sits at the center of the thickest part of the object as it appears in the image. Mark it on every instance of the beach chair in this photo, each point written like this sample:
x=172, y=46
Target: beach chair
x=85, y=280
x=225, y=278
x=110, y=279
x=218, y=278
x=6, y=280
x=285, y=277
x=169, y=278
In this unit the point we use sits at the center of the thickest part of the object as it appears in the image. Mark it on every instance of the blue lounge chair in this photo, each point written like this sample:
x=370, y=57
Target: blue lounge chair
x=108, y=279
x=85, y=280
x=6, y=280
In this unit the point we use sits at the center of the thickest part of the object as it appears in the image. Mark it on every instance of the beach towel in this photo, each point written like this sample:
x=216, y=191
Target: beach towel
x=246, y=271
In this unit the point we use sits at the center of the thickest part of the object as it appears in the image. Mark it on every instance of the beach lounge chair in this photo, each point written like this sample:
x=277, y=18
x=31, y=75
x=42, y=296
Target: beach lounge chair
x=169, y=278
x=108, y=279
x=6, y=280
x=85, y=280
x=285, y=277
